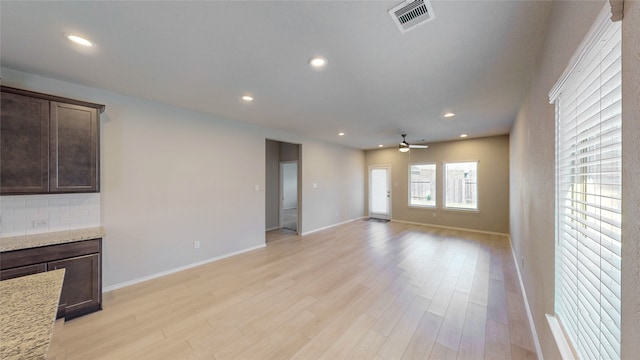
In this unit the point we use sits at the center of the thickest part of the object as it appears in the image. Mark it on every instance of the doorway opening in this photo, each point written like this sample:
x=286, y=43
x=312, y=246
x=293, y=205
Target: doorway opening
x=282, y=188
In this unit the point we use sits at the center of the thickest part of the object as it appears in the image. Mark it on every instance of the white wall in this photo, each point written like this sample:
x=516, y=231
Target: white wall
x=338, y=174
x=631, y=180
x=492, y=154
x=532, y=170
x=169, y=179
x=532, y=165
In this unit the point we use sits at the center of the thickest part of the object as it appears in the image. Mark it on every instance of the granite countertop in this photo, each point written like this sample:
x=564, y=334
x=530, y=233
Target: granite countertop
x=28, y=307
x=51, y=238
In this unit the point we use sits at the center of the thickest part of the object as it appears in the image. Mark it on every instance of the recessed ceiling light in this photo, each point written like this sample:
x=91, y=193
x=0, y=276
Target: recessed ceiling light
x=341, y=134
x=80, y=40
x=247, y=98
x=449, y=114
x=318, y=62
x=463, y=135
x=380, y=145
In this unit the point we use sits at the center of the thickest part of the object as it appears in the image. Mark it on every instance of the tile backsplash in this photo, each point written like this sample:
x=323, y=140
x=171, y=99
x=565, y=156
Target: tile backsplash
x=32, y=214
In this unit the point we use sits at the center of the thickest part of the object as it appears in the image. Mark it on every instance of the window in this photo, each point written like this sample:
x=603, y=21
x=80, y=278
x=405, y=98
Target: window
x=422, y=185
x=461, y=185
x=588, y=101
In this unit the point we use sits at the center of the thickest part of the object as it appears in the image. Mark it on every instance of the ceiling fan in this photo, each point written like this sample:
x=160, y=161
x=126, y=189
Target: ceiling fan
x=405, y=146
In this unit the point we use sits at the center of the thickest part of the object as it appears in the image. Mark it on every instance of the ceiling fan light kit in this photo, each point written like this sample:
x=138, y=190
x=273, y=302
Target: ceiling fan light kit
x=405, y=146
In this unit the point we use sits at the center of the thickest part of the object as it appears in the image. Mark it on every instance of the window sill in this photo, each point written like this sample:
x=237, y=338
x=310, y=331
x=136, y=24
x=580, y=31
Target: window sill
x=462, y=210
x=423, y=207
x=435, y=208
x=565, y=349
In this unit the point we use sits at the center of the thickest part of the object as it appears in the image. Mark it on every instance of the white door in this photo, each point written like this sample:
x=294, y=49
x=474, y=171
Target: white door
x=379, y=192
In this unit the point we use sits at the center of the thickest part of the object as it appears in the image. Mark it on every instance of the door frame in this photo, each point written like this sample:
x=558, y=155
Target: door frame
x=389, y=192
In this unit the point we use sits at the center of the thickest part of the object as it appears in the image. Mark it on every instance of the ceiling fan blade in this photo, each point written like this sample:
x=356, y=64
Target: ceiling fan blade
x=405, y=146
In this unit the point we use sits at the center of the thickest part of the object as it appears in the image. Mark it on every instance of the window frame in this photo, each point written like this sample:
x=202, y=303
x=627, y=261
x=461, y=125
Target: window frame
x=444, y=187
x=575, y=239
x=435, y=192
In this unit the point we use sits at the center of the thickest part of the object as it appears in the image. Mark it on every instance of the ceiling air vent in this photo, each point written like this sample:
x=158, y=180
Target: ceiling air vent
x=408, y=15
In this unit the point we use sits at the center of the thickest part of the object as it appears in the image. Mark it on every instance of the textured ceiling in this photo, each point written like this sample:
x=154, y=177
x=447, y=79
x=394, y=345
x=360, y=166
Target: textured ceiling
x=475, y=59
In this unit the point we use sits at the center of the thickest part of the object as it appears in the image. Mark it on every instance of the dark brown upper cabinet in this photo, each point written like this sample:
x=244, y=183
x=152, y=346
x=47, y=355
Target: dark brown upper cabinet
x=24, y=144
x=48, y=144
x=73, y=148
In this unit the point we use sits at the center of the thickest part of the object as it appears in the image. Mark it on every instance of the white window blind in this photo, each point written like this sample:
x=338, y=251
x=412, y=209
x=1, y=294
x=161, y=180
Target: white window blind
x=588, y=196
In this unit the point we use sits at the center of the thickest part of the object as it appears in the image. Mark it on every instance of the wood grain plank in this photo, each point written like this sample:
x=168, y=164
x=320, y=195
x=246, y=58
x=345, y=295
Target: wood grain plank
x=361, y=290
x=343, y=345
x=454, y=319
x=442, y=297
x=519, y=332
x=424, y=338
x=368, y=346
x=497, y=302
x=518, y=353
x=473, y=339
x=497, y=345
x=441, y=352
x=395, y=310
x=397, y=340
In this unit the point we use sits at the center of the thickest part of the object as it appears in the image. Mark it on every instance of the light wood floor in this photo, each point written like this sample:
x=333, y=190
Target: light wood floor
x=363, y=290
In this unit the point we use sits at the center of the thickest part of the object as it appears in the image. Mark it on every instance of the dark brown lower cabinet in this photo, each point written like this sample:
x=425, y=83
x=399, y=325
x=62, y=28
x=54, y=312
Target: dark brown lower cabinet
x=84, y=295
x=82, y=286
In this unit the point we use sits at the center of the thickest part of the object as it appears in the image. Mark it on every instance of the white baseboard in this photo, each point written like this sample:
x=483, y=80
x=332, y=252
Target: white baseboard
x=181, y=268
x=450, y=227
x=532, y=325
x=333, y=225
x=273, y=228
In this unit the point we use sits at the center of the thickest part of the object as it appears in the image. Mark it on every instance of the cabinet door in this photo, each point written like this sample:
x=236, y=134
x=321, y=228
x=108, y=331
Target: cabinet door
x=24, y=139
x=73, y=148
x=81, y=290
x=22, y=271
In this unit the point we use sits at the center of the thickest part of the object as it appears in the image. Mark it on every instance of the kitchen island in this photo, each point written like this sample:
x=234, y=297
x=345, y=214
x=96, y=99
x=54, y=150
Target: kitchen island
x=28, y=307
x=78, y=251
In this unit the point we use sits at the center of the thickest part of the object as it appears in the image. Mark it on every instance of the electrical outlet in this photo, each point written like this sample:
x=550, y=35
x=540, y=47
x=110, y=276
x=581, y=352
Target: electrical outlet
x=196, y=244
x=40, y=223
